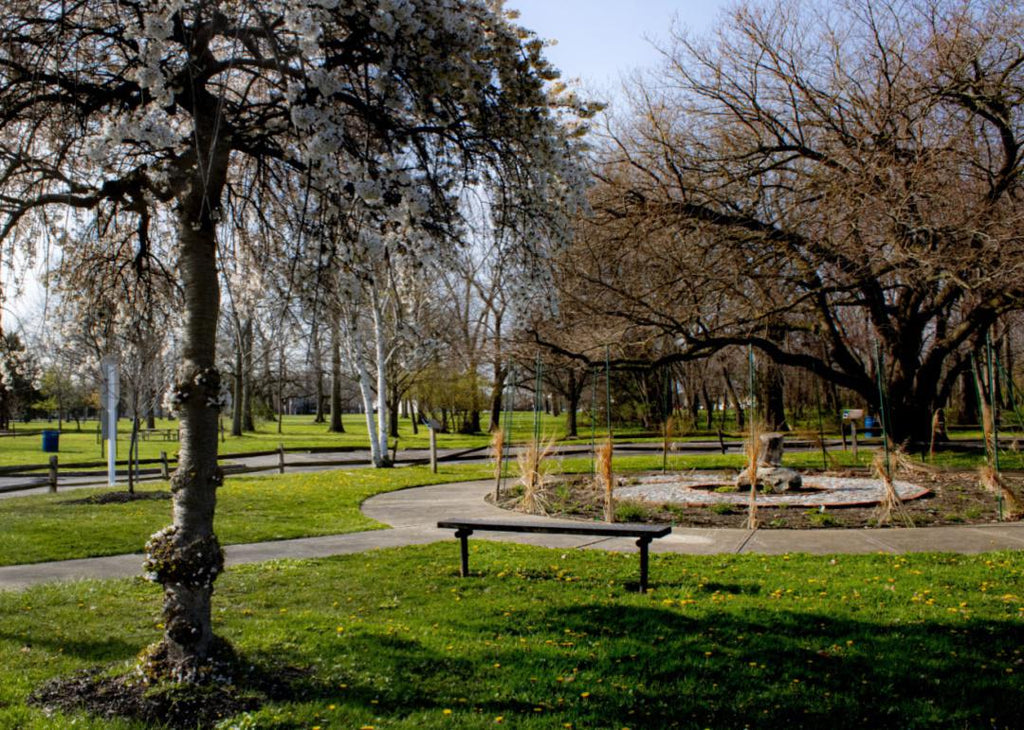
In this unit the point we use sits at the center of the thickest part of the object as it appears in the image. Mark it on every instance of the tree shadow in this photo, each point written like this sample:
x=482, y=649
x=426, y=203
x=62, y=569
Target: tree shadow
x=657, y=668
x=89, y=650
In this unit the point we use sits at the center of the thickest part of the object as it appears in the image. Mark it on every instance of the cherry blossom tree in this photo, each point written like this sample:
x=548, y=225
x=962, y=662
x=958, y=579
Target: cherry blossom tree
x=146, y=114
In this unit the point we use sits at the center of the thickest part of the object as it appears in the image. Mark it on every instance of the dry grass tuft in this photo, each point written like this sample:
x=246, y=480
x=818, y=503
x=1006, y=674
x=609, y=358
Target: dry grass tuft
x=668, y=431
x=992, y=481
x=752, y=450
x=604, y=470
x=534, y=467
x=891, y=507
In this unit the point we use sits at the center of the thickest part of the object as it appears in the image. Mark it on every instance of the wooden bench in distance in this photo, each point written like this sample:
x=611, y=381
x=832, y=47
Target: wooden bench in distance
x=643, y=533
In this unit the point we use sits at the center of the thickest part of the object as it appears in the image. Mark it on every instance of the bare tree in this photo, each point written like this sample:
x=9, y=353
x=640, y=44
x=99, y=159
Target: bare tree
x=824, y=182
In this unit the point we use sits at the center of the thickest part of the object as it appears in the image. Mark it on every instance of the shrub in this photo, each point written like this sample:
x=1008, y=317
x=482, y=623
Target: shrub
x=632, y=511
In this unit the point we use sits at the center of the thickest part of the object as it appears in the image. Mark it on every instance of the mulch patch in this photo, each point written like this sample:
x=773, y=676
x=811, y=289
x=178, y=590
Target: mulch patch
x=101, y=693
x=956, y=498
x=97, y=694
x=118, y=497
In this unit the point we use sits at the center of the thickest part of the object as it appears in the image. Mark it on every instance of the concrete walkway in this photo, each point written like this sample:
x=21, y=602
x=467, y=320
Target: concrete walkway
x=413, y=514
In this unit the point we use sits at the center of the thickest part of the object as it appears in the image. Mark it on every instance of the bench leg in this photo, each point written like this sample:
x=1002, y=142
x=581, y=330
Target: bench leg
x=463, y=536
x=643, y=544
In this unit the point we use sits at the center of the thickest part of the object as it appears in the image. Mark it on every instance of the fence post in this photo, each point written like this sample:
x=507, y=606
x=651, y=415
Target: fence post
x=280, y=457
x=164, y=471
x=433, y=450
x=53, y=473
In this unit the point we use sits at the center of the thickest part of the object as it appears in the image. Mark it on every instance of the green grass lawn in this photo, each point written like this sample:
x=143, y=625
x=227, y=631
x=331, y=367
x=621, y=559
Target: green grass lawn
x=298, y=432
x=253, y=509
x=249, y=509
x=540, y=639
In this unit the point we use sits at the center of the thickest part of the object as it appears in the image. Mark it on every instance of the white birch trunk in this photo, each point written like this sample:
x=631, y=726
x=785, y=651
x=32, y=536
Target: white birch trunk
x=357, y=356
x=382, y=400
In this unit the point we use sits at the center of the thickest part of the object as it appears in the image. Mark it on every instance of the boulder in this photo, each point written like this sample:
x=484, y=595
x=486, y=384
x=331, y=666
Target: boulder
x=772, y=479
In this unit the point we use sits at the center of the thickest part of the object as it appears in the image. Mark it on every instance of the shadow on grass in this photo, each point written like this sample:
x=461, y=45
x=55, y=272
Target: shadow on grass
x=94, y=650
x=652, y=668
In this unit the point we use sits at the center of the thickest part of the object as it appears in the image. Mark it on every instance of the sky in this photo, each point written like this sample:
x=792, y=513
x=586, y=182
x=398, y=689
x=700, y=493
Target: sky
x=598, y=42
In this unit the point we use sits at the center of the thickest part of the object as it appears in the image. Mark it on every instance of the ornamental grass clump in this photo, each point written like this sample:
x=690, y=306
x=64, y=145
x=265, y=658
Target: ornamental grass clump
x=498, y=455
x=884, y=466
x=992, y=481
x=604, y=470
x=534, y=466
x=752, y=450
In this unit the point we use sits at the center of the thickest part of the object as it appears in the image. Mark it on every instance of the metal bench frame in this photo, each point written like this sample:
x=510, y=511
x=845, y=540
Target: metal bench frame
x=643, y=533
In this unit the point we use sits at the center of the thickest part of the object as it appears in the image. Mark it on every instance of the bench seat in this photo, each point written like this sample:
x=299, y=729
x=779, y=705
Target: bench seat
x=644, y=534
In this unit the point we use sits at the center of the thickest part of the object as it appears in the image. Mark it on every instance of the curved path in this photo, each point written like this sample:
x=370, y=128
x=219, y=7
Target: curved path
x=413, y=515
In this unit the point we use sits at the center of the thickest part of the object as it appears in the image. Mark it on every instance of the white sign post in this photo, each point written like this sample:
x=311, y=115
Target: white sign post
x=853, y=415
x=111, y=386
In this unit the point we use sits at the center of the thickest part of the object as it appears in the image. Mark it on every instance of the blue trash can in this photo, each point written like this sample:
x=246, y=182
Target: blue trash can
x=51, y=441
x=870, y=423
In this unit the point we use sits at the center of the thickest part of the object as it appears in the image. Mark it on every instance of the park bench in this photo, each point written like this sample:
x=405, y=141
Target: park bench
x=643, y=533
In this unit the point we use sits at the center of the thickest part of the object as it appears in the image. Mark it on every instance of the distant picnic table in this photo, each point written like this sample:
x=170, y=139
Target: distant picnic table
x=168, y=434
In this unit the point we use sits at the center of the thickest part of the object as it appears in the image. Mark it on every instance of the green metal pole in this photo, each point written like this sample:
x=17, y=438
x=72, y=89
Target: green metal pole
x=1012, y=386
x=509, y=415
x=538, y=395
x=608, y=388
x=665, y=419
x=750, y=369
x=978, y=395
x=992, y=383
x=882, y=414
x=821, y=428
x=992, y=412
x=593, y=422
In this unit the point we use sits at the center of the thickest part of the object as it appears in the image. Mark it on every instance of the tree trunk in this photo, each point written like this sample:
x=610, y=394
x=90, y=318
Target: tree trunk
x=574, y=392
x=336, y=425
x=248, y=422
x=497, y=394
x=967, y=413
x=318, y=372
x=393, y=404
x=770, y=396
x=133, y=450
x=280, y=388
x=741, y=420
x=237, y=404
x=382, y=377
x=186, y=557
x=709, y=415
x=5, y=405
x=366, y=391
